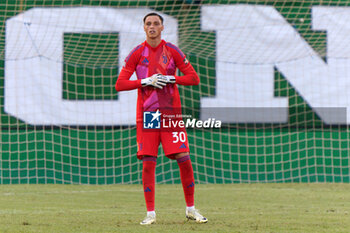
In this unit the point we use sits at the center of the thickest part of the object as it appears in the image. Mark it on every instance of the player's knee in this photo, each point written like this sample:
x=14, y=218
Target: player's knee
x=149, y=164
x=180, y=155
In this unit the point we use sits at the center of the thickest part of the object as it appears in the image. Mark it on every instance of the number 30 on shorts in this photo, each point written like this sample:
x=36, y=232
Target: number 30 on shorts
x=179, y=136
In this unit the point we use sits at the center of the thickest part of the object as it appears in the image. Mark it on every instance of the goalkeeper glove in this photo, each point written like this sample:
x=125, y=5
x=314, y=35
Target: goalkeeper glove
x=154, y=81
x=167, y=78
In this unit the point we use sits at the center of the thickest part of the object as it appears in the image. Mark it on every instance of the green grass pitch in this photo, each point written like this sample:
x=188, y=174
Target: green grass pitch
x=229, y=208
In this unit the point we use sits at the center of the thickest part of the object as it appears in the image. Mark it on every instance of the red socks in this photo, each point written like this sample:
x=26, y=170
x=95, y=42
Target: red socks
x=187, y=178
x=148, y=180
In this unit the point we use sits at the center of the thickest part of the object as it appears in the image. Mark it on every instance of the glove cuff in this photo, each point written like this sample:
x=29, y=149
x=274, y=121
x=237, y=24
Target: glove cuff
x=143, y=82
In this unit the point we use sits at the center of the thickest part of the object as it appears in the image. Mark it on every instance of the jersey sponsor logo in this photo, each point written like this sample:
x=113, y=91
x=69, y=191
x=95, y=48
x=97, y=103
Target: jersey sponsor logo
x=183, y=146
x=151, y=120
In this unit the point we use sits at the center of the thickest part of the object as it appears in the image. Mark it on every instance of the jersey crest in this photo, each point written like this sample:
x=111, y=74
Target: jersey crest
x=164, y=58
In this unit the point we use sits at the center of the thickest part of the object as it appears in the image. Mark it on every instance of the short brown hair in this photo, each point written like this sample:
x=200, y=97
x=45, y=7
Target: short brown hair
x=153, y=14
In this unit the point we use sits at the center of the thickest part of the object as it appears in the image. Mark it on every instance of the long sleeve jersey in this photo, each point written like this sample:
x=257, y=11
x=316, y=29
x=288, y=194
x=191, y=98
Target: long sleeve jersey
x=146, y=61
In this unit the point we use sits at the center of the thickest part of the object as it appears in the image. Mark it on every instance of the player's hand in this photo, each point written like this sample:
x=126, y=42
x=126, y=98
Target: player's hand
x=167, y=78
x=154, y=81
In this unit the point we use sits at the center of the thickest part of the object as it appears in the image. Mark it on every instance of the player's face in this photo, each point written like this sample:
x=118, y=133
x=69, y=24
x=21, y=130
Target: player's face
x=153, y=27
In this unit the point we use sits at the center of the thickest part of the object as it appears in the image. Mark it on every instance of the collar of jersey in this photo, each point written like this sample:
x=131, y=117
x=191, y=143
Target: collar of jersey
x=155, y=48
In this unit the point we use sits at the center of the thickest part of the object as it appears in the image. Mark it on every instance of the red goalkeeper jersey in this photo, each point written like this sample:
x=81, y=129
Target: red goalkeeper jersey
x=146, y=61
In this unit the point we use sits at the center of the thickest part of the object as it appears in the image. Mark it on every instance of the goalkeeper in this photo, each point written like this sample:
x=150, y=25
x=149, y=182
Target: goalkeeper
x=155, y=62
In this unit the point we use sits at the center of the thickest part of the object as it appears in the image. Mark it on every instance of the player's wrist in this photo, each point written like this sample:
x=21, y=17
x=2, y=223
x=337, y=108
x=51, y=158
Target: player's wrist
x=175, y=78
x=139, y=82
x=144, y=82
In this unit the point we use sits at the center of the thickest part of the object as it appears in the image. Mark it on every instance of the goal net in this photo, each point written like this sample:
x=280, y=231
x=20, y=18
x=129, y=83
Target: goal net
x=274, y=73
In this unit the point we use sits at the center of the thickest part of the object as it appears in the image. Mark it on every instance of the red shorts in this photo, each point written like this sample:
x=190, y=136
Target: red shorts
x=173, y=141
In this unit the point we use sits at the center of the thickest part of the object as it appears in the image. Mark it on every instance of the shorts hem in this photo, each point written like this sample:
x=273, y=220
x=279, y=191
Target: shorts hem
x=170, y=155
x=145, y=154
